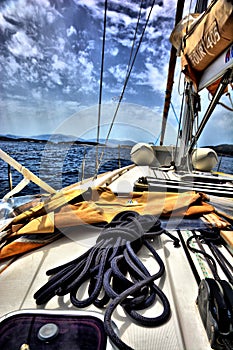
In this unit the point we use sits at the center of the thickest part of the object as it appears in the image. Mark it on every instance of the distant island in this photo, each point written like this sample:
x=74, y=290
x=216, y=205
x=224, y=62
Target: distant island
x=223, y=149
x=44, y=139
x=60, y=138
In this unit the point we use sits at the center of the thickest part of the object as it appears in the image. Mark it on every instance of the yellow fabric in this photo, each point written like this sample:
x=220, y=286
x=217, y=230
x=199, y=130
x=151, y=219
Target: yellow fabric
x=102, y=206
x=157, y=203
x=82, y=213
x=43, y=224
x=18, y=248
x=55, y=201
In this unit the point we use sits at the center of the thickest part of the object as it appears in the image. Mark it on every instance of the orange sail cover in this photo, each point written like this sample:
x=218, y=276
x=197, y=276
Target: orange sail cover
x=200, y=39
x=43, y=223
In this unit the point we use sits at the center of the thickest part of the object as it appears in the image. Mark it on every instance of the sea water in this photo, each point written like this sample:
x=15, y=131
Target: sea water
x=63, y=164
x=60, y=164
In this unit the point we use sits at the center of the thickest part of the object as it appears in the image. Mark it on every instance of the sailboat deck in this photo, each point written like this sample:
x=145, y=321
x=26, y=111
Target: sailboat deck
x=184, y=330
x=28, y=274
x=185, y=267
x=160, y=174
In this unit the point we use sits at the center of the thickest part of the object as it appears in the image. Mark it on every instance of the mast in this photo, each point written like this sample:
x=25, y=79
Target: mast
x=201, y=6
x=171, y=72
x=190, y=112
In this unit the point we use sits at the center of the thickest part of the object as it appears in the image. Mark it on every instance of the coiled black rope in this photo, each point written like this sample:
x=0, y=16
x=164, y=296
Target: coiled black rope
x=115, y=272
x=211, y=238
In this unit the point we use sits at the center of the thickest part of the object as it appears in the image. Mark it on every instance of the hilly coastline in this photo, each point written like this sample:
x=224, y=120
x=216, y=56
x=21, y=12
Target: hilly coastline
x=223, y=149
x=60, y=138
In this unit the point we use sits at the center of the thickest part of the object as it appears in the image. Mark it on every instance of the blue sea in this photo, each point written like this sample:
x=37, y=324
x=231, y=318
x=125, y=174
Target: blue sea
x=60, y=164
x=63, y=164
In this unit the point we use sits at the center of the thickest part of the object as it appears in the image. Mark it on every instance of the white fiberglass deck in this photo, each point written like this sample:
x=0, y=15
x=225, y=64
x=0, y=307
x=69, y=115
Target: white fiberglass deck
x=183, y=331
x=24, y=277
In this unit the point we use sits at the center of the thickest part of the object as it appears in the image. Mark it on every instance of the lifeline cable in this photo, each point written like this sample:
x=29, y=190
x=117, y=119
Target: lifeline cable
x=115, y=272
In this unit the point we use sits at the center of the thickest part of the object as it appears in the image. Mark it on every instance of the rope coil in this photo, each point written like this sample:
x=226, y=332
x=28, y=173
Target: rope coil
x=115, y=272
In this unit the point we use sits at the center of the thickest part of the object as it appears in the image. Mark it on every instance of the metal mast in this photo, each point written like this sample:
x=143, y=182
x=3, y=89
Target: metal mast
x=201, y=6
x=171, y=71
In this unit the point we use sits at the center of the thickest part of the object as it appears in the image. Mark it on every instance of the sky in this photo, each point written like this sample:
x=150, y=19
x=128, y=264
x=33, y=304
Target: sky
x=50, y=69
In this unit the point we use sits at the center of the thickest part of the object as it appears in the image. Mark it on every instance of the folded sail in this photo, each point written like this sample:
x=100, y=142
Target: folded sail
x=201, y=38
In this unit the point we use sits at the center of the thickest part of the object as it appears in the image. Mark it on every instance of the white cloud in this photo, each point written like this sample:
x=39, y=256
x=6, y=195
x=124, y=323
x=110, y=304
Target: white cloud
x=118, y=72
x=93, y=6
x=21, y=45
x=58, y=64
x=123, y=19
x=12, y=66
x=86, y=71
x=70, y=31
x=55, y=77
x=114, y=51
x=154, y=77
x=167, y=10
x=128, y=124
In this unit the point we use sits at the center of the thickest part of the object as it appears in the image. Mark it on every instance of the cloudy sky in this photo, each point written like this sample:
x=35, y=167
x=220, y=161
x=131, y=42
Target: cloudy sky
x=50, y=64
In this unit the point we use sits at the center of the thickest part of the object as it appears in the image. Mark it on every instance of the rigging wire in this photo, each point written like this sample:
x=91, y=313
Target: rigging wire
x=223, y=104
x=101, y=80
x=227, y=94
x=217, y=95
x=156, y=141
x=174, y=113
x=134, y=40
x=125, y=84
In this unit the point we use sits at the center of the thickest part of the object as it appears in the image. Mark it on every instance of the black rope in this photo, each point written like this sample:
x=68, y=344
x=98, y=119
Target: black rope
x=114, y=271
x=221, y=261
x=211, y=239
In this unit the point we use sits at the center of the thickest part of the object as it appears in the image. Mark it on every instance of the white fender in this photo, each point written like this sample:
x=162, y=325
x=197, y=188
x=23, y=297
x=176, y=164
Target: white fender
x=204, y=159
x=142, y=154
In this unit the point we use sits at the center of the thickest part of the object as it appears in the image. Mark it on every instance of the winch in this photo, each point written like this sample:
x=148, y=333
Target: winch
x=215, y=304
